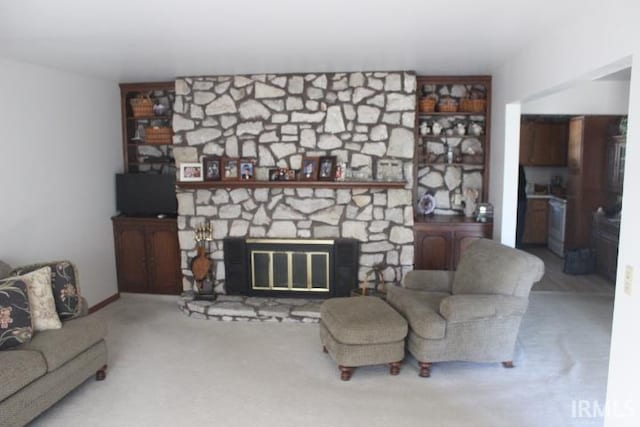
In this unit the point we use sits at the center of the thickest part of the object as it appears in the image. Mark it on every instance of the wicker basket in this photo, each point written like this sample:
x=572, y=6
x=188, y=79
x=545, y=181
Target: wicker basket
x=473, y=105
x=158, y=135
x=427, y=105
x=142, y=106
x=448, y=105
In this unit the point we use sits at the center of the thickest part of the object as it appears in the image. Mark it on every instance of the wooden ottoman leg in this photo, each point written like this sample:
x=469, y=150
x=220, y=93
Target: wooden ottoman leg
x=394, y=367
x=324, y=349
x=345, y=372
x=508, y=364
x=101, y=374
x=425, y=369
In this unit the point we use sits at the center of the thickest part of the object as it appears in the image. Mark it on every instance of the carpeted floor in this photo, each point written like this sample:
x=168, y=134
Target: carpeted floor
x=170, y=370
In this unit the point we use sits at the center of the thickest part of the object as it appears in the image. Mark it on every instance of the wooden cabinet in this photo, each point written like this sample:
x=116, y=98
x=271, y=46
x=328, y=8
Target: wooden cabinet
x=587, y=175
x=147, y=255
x=440, y=240
x=536, y=223
x=146, y=136
x=543, y=143
x=605, y=239
x=615, y=167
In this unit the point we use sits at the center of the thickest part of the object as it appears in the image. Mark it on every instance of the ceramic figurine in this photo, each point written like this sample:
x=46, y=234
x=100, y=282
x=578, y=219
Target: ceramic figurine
x=476, y=129
x=424, y=129
x=436, y=128
x=460, y=129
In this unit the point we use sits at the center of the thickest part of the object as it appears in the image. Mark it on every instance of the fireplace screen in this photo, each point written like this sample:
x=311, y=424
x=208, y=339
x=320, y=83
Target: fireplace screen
x=303, y=268
x=288, y=270
x=290, y=266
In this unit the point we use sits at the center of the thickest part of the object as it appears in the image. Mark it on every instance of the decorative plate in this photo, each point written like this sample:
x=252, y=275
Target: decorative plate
x=427, y=204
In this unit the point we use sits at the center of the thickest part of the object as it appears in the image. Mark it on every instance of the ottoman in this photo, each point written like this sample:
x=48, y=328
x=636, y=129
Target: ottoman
x=361, y=331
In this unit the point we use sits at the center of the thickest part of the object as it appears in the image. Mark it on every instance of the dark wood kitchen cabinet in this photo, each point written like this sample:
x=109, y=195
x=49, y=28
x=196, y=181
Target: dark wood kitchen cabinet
x=605, y=239
x=587, y=175
x=147, y=255
x=536, y=222
x=440, y=240
x=615, y=168
x=543, y=143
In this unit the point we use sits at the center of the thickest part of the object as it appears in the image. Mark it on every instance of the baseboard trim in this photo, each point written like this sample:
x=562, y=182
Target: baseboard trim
x=104, y=303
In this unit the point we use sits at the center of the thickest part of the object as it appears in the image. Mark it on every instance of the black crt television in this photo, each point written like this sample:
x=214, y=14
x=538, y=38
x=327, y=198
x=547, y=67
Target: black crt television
x=146, y=194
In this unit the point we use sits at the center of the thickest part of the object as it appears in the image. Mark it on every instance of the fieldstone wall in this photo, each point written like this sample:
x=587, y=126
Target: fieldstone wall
x=278, y=119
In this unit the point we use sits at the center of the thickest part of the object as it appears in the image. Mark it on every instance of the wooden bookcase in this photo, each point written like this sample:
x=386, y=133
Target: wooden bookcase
x=139, y=154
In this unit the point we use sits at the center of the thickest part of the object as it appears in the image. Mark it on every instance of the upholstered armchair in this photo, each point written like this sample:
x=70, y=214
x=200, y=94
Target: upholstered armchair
x=472, y=314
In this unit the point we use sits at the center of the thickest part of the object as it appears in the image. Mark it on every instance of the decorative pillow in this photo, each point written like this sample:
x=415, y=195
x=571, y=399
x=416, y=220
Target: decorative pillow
x=15, y=317
x=43, y=307
x=65, y=290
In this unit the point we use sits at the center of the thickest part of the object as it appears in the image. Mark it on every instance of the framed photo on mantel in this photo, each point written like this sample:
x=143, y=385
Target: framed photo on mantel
x=191, y=172
x=230, y=169
x=327, y=168
x=309, y=170
x=212, y=168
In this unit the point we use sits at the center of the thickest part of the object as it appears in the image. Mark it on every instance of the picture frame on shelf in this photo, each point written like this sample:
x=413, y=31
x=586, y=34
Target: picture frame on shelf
x=247, y=169
x=212, y=167
x=327, y=168
x=191, y=172
x=309, y=171
x=388, y=170
x=230, y=169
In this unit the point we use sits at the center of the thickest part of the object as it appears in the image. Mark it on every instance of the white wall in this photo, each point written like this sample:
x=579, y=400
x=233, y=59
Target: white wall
x=593, y=97
x=60, y=148
x=601, y=39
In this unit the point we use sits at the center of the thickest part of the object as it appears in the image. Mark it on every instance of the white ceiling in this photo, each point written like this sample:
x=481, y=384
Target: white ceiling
x=143, y=40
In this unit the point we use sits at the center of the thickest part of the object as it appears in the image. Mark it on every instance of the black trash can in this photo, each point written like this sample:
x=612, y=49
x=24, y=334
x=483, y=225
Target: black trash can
x=579, y=261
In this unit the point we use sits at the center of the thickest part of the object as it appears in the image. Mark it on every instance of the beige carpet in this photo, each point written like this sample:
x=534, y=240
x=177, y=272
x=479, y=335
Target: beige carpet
x=170, y=370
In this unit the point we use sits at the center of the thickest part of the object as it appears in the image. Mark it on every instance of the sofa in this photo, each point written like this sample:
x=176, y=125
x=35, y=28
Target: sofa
x=472, y=314
x=37, y=373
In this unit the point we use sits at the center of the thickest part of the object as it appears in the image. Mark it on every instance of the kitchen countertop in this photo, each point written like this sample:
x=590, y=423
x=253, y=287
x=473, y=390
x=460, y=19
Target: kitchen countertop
x=546, y=196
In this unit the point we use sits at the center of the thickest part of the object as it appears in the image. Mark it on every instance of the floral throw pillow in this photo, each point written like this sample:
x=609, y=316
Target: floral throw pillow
x=65, y=289
x=43, y=307
x=15, y=315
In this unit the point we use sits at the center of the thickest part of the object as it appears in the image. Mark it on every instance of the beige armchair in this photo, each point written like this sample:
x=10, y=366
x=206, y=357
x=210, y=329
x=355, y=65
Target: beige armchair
x=472, y=314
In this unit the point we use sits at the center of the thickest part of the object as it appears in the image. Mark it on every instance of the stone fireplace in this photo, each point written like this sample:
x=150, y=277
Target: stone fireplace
x=359, y=117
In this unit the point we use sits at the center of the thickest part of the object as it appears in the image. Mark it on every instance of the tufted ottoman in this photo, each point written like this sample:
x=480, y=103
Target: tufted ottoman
x=361, y=331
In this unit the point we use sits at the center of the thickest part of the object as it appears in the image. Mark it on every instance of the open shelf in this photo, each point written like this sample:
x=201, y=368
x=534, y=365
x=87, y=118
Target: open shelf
x=451, y=164
x=457, y=113
x=291, y=184
x=150, y=118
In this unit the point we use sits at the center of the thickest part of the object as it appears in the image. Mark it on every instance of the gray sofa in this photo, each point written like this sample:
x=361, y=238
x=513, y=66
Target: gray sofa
x=472, y=314
x=35, y=375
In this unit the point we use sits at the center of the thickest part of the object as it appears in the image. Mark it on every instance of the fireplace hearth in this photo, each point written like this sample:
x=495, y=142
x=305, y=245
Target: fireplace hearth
x=309, y=268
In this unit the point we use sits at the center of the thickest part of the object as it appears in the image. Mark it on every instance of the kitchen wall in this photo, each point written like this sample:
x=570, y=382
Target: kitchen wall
x=543, y=175
x=60, y=146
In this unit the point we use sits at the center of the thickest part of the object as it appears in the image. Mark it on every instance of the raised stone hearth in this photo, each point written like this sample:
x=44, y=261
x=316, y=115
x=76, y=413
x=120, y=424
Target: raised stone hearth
x=232, y=308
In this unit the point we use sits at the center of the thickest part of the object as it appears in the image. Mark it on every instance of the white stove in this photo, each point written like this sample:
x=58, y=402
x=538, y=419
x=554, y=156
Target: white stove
x=557, y=222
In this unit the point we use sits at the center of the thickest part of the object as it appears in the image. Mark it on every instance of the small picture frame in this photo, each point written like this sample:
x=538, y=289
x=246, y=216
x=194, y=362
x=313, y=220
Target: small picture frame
x=247, y=169
x=230, y=169
x=388, y=170
x=191, y=172
x=274, y=174
x=212, y=167
x=309, y=171
x=327, y=168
